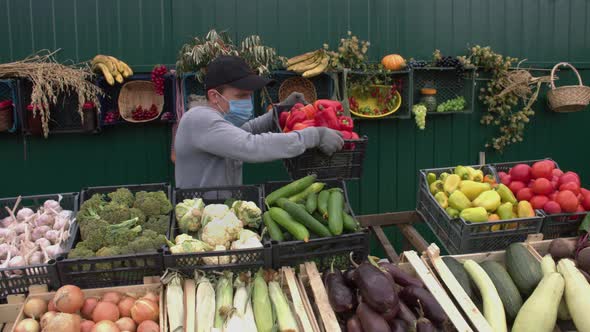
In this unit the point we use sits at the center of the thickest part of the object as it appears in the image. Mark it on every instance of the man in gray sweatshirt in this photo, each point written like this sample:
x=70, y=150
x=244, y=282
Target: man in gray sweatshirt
x=213, y=141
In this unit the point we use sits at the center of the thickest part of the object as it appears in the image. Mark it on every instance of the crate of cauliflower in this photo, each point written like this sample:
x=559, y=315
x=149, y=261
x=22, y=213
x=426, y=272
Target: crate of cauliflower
x=217, y=228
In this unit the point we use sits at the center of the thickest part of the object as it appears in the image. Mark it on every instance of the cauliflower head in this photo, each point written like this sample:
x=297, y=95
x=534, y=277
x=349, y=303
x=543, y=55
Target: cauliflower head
x=216, y=260
x=190, y=246
x=248, y=212
x=247, y=240
x=222, y=231
x=188, y=214
x=213, y=211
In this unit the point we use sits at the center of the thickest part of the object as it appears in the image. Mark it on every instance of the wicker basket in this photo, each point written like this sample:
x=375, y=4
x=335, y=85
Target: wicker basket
x=298, y=84
x=571, y=98
x=135, y=93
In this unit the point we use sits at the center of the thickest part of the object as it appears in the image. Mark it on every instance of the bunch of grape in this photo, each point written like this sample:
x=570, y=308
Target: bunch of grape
x=416, y=63
x=419, y=111
x=449, y=61
x=139, y=113
x=158, y=78
x=452, y=105
x=111, y=117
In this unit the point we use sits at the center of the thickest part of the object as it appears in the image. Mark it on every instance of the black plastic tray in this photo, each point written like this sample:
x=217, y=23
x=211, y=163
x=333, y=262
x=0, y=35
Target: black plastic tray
x=17, y=280
x=240, y=260
x=323, y=251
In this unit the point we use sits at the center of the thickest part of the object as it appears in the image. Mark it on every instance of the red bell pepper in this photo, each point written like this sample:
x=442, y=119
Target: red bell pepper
x=304, y=124
x=297, y=116
x=327, y=118
x=310, y=123
x=310, y=111
x=346, y=123
x=283, y=119
x=322, y=104
x=354, y=135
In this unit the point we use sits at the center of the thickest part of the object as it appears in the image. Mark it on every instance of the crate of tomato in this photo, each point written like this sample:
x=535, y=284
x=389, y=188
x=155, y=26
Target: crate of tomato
x=312, y=221
x=344, y=164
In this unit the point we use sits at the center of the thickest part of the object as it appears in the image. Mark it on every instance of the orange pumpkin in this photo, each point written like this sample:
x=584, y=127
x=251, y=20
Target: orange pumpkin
x=393, y=62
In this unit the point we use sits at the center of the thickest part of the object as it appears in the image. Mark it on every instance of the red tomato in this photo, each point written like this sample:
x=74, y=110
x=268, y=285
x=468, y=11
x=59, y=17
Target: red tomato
x=524, y=194
x=571, y=186
x=542, y=169
x=515, y=186
x=539, y=201
x=542, y=186
x=567, y=200
x=521, y=172
x=552, y=207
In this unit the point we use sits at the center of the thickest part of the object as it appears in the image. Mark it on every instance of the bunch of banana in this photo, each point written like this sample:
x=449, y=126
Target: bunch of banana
x=309, y=64
x=112, y=68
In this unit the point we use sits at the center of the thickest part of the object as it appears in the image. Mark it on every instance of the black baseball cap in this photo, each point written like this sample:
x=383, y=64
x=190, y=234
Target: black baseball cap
x=233, y=71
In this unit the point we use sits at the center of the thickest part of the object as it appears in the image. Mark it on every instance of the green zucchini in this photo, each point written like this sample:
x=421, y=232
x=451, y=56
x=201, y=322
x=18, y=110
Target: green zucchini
x=323, y=197
x=290, y=189
x=462, y=277
x=287, y=222
x=506, y=288
x=523, y=268
x=273, y=229
x=311, y=204
x=314, y=188
x=349, y=223
x=300, y=215
x=335, y=218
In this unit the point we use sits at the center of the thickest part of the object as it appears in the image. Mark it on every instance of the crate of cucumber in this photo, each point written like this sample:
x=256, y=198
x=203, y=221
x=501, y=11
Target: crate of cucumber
x=312, y=221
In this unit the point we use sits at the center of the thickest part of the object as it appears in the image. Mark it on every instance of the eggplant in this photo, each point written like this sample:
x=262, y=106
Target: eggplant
x=354, y=324
x=398, y=325
x=399, y=276
x=370, y=320
x=349, y=278
x=341, y=297
x=406, y=314
x=424, y=325
x=376, y=289
x=420, y=298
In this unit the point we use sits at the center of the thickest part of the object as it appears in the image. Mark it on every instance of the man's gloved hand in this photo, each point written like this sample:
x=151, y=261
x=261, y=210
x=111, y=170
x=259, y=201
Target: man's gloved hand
x=294, y=98
x=330, y=140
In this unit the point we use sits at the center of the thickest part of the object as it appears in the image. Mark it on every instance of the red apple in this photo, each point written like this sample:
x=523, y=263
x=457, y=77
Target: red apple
x=521, y=172
x=557, y=172
x=515, y=186
x=524, y=194
x=542, y=169
x=539, y=201
x=567, y=200
x=506, y=180
x=571, y=186
x=552, y=207
x=569, y=177
x=542, y=186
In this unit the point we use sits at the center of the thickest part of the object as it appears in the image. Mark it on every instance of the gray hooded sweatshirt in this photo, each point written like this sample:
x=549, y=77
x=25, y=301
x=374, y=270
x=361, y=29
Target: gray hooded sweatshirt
x=210, y=150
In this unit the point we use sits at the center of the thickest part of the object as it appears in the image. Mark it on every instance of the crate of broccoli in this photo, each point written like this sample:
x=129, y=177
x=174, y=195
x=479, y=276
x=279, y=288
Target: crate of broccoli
x=120, y=235
x=312, y=220
x=217, y=228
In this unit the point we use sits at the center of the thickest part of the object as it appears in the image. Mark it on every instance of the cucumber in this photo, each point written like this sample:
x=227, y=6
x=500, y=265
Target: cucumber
x=317, y=215
x=273, y=229
x=290, y=189
x=283, y=218
x=311, y=204
x=300, y=215
x=462, y=277
x=312, y=189
x=335, y=206
x=523, y=268
x=349, y=223
x=323, y=198
x=506, y=288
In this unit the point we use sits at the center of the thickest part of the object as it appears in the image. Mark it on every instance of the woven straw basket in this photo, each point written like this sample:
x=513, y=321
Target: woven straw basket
x=571, y=98
x=136, y=93
x=298, y=84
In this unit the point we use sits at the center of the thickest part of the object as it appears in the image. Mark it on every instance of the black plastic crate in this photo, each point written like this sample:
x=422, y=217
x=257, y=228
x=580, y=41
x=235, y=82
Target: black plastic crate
x=407, y=83
x=323, y=83
x=449, y=83
x=17, y=280
x=109, y=102
x=8, y=91
x=422, y=174
x=64, y=117
x=239, y=260
x=561, y=224
x=344, y=164
x=323, y=251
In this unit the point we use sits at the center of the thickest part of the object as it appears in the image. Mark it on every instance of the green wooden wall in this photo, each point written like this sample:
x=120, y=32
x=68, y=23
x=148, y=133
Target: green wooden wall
x=148, y=32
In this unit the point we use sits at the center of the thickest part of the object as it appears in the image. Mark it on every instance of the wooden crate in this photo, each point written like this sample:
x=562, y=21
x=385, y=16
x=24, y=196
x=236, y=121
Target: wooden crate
x=9, y=312
x=314, y=291
x=150, y=284
x=299, y=300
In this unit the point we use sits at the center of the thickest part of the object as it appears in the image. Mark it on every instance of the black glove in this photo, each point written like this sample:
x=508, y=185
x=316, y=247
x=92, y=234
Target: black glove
x=330, y=140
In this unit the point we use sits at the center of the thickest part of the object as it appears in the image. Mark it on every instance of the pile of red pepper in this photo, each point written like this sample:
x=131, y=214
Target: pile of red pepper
x=322, y=113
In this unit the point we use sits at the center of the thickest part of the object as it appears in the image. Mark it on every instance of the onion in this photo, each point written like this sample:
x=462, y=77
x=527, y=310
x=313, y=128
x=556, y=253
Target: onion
x=51, y=306
x=105, y=326
x=151, y=296
x=125, y=306
x=63, y=323
x=86, y=326
x=148, y=326
x=35, y=308
x=105, y=311
x=47, y=317
x=69, y=299
x=24, y=213
x=88, y=307
x=126, y=324
x=143, y=310
x=113, y=297
x=27, y=325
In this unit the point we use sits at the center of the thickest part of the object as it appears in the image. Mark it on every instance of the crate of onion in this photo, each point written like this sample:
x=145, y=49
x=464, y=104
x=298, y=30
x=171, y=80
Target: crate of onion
x=71, y=309
x=34, y=231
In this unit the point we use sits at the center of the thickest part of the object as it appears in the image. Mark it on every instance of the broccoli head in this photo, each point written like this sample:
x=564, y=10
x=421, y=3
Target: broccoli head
x=110, y=252
x=158, y=224
x=136, y=213
x=93, y=233
x=94, y=203
x=123, y=233
x=115, y=213
x=152, y=203
x=122, y=196
x=81, y=251
x=148, y=241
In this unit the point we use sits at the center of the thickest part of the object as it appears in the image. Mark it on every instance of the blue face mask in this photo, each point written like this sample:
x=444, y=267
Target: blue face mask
x=240, y=111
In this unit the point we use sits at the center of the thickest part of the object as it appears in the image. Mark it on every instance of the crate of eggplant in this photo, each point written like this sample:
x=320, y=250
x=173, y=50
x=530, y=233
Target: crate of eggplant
x=382, y=296
x=312, y=221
